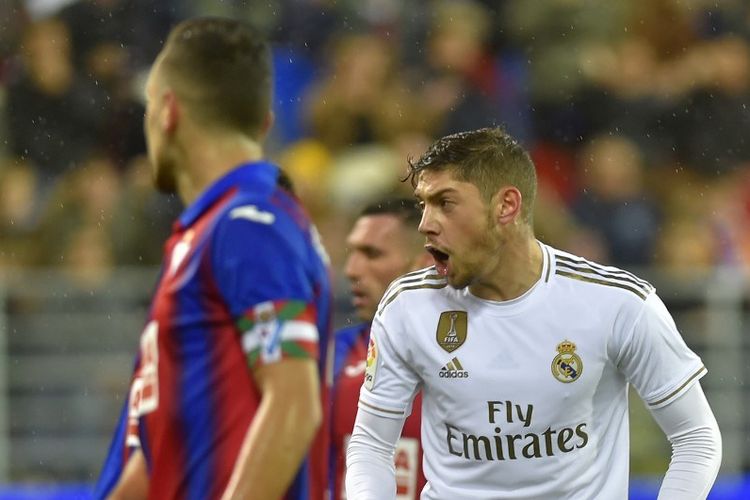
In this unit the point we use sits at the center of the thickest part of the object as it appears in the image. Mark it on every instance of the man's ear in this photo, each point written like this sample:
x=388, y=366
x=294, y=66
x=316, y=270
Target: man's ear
x=171, y=112
x=268, y=122
x=508, y=202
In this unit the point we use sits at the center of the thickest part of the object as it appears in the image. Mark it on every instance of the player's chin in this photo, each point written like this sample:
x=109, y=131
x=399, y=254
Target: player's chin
x=457, y=280
x=165, y=182
x=365, y=313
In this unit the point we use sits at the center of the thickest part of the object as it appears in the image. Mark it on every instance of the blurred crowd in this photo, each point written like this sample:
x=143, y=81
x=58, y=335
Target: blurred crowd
x=635, y=113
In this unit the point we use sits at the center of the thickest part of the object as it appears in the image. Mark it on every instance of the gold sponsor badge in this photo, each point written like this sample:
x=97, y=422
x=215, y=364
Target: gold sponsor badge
x=451, y=330
x=371, y=365
x=567, y=365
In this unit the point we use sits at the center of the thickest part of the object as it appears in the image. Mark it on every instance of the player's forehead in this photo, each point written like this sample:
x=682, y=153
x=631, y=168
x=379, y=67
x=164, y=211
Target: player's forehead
x=432, y=183
x=155, y=76
x=375, y=230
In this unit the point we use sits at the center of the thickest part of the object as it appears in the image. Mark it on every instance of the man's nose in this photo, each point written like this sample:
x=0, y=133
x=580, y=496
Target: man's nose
x=352, y=266
x=427, y=225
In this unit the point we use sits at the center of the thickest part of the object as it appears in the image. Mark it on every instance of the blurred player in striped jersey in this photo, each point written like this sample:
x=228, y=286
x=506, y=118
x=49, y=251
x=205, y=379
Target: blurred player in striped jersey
x=383, y=244
x=523, y=352
x=226, y=398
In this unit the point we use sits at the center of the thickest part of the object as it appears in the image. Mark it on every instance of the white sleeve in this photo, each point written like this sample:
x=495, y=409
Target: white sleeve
x=691, y=428
x=652, y=355
x=390, y=381
x=370, y=473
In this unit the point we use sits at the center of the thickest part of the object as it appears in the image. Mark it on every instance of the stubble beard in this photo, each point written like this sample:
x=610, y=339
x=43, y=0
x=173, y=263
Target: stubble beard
x=164, y=177
x=474, y=269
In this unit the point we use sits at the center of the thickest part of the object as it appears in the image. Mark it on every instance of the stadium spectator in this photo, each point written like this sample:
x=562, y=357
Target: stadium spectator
x=86, y=196
x=523, y=353
x=19, y=211
x=52, y=111
x=613, y=202
x=706, y=119
x=382, y=245
x=462, y=78
x=362, y=99
x=227, y=395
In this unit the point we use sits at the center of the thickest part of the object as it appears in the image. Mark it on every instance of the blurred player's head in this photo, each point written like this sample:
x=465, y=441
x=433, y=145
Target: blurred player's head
x=477, y=190
x=383, y=244
x=214, y=74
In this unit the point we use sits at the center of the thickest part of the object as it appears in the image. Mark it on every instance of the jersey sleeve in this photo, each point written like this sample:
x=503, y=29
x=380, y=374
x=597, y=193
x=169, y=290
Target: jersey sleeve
x=654, y=357
x=261, y=267
x=390, y=383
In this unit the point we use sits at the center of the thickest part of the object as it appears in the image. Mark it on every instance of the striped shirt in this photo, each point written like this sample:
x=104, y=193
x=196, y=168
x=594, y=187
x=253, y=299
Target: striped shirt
x=244, y=283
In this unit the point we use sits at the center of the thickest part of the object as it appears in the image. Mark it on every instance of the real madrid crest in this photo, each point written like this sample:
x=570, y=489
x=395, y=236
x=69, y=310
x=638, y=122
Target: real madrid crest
x=451, y=330
x=567, y=365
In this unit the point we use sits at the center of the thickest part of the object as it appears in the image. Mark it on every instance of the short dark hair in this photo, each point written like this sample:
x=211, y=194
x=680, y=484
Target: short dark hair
x=489, y=158
x=406, y=209
x=222, y=68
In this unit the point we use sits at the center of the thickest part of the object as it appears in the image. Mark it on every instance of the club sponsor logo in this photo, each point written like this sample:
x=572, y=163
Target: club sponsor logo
x=511, y=434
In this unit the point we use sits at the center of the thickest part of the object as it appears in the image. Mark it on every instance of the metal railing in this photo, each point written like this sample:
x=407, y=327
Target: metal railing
x=66, y=353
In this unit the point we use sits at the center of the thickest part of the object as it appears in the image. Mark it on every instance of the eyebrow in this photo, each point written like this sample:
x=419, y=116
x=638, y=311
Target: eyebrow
x=436, y=194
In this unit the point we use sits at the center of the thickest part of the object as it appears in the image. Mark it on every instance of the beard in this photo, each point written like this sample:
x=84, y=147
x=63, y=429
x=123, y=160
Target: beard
x=164, y=176
x=485, y=254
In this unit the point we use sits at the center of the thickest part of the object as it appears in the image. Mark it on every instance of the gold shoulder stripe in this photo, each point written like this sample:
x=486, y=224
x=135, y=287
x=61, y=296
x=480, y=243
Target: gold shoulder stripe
x=580, y=261
x=418, y=271
x=609, y=270
x=392, y=412
x=700, y=371
x=412, y=277
x=605, y=276
x=589, y=279
x=396, y=293
x=408, y=281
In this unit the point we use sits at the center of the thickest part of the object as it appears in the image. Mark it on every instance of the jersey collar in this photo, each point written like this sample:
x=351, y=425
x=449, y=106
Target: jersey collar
x=257, y=176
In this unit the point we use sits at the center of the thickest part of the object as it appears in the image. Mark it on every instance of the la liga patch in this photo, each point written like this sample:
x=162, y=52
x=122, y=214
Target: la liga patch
x=371, y=365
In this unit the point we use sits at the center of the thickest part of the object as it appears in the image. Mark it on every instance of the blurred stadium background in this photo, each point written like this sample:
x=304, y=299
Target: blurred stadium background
x=637, y=114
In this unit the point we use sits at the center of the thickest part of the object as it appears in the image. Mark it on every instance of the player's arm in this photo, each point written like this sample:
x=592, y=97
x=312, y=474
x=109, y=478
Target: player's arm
x=691, y=428
x=370, y=473
x=384, y=403
x=281, y=432
x=665, y=372
x=260, y=267
x=133, y=483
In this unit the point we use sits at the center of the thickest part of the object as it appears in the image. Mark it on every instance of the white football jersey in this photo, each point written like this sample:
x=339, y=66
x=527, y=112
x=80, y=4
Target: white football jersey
x=527, y=398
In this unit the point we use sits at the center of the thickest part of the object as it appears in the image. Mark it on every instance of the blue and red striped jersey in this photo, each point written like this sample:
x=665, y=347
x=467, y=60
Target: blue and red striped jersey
x=245, y=281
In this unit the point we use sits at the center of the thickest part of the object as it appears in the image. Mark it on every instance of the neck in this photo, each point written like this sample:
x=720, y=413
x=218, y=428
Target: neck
x=205, y=158
x=517, y=268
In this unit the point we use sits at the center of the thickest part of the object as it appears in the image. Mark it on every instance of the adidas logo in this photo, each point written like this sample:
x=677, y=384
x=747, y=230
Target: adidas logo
x=453, y=369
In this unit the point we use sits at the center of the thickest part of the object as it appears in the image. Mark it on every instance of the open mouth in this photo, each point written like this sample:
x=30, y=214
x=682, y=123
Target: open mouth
x=441, y=259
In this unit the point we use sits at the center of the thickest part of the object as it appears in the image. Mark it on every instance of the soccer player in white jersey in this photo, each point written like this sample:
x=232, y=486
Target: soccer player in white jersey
x=523, y=353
